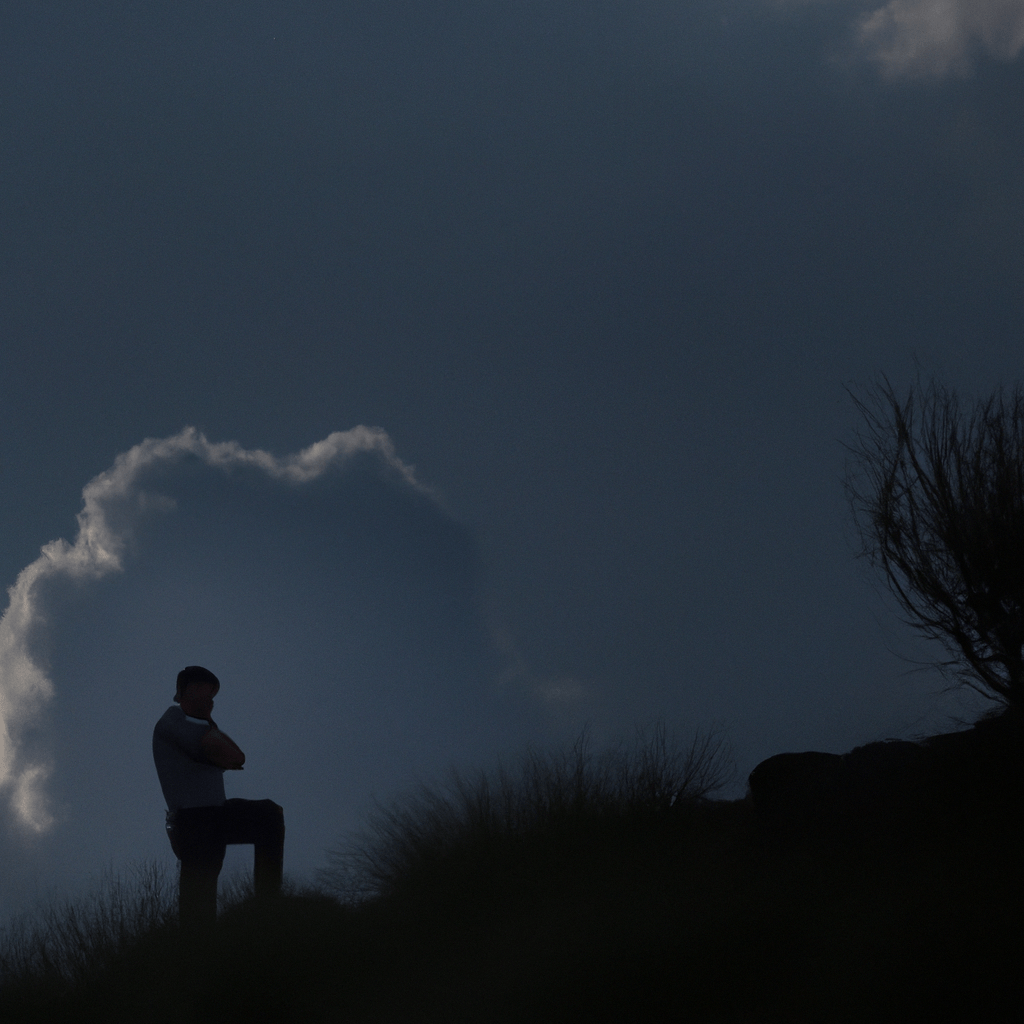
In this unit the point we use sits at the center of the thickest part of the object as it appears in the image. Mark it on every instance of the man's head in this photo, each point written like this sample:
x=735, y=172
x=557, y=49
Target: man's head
x=195, y=690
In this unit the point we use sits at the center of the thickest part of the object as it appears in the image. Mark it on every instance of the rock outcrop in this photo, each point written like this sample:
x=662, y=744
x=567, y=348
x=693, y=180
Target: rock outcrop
x=894, y=791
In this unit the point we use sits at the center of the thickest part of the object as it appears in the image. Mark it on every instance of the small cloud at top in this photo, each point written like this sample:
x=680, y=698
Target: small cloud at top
x=938, y=38
x=928, y=39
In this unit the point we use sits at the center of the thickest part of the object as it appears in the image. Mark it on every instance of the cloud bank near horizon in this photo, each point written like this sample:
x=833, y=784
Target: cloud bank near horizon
x=113, y=504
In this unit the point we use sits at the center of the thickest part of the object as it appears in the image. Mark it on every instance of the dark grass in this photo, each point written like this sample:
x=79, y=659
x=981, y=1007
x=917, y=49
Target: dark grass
x=566, y=890
x=70, y=941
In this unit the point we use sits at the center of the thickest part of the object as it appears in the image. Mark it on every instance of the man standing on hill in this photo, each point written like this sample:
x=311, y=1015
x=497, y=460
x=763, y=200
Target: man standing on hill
x=191, y=756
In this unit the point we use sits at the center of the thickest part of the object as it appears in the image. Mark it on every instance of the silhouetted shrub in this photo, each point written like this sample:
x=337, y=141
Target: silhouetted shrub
x=475, y=823
x=937, y=490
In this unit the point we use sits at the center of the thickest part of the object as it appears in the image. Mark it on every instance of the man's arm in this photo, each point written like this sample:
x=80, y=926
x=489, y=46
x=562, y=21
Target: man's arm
x=220, y=749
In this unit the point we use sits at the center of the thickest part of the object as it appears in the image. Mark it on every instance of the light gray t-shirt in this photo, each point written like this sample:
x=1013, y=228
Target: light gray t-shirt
x=186, y=777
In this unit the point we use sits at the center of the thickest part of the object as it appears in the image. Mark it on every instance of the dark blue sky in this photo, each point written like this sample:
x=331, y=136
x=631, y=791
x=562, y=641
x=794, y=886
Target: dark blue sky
x=601, y=271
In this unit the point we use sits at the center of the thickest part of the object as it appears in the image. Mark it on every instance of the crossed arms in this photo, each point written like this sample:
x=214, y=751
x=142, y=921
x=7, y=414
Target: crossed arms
x=220, y=749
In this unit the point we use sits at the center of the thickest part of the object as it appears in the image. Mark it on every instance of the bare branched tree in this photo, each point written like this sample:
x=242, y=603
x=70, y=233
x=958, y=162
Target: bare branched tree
x=938, y=494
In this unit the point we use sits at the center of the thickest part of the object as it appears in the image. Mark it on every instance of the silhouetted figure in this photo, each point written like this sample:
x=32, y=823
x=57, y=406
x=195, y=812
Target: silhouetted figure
x=191, y=756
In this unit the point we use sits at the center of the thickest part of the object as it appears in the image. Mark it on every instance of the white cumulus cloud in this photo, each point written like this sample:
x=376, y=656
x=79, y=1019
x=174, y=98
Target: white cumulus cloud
x=936, y=38
x=112, y=503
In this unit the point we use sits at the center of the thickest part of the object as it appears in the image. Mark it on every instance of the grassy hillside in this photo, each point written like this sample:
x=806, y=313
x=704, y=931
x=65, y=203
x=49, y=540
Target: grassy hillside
x=576, y=888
